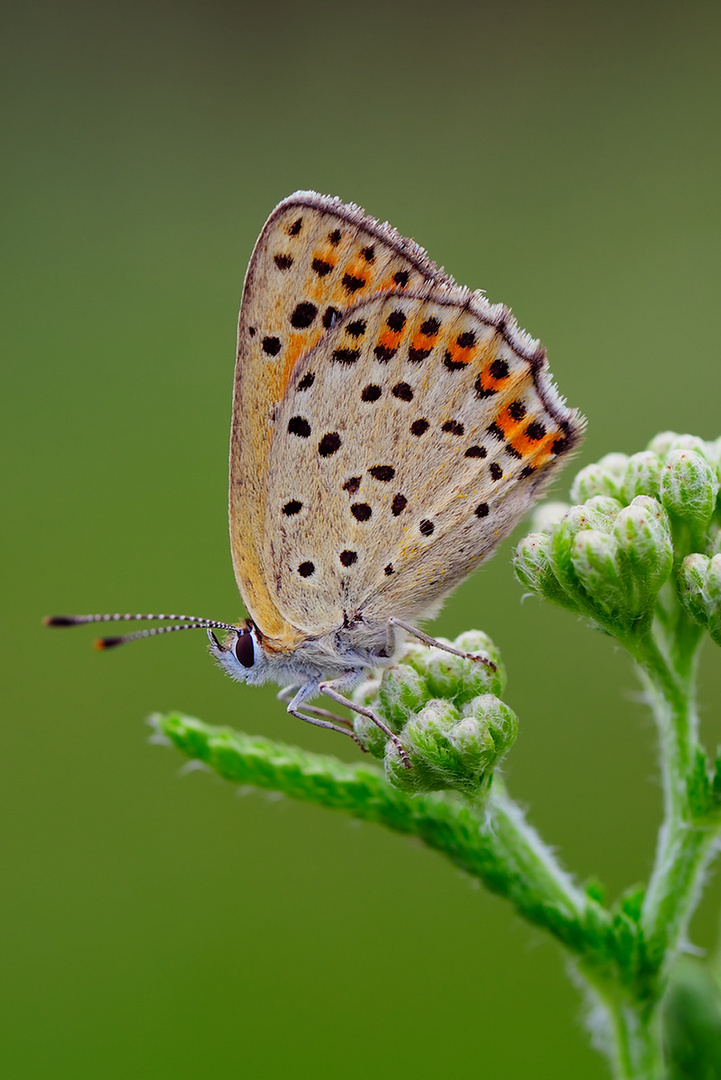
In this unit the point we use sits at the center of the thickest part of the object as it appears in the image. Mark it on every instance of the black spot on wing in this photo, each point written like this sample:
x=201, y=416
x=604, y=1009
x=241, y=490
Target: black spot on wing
x=303, y=315
x=331, y=316
x=535, y=431
x=345, y=356
x=402, y=391
x=271, y=346
x=356, y=328
x=321, y=267
x=351, y=283
x=382, y=472
x=298, y=425
x=417, y=355
x=329, y=444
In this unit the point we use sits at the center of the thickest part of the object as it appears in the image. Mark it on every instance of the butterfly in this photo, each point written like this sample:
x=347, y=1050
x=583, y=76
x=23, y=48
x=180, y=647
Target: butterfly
x=389, y=429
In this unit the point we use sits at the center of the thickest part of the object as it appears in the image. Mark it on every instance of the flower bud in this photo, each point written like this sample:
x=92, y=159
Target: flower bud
x=615, y=465
x=643, y=475
x=366, y=692
x=501, y=721
x=479, y=644
x=661, y=444
x=713, y=587
x=457, y=679
x=590, y=481
x=577, y=519
x=373, y=739
x=714, y=538
x=700, y=591
x=689, y=487
x=603, y=478
x=415, y=654
x=594, y=556
x=533, y=568
x=643, y=535
x=692, y=586
x=402, y=692
x=714, y=456
x=689, y=442
x=547, y=516
x=608, y=508
x=450, y=750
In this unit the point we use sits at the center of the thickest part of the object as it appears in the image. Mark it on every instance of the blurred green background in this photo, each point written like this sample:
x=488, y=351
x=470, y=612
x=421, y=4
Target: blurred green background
x=566, y=158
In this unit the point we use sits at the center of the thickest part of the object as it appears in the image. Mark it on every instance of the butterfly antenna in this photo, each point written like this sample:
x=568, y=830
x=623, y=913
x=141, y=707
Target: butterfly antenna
x=181, y=622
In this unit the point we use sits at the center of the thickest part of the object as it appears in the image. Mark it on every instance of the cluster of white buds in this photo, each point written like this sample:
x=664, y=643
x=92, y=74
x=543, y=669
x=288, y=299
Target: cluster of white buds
x=447, y=713
x=637, y=522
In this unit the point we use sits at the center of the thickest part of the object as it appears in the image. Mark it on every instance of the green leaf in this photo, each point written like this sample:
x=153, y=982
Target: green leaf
x=691, y=1023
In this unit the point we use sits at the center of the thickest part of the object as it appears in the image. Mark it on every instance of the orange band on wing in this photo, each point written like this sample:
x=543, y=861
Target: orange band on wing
x=457, y=356
x=390, y=339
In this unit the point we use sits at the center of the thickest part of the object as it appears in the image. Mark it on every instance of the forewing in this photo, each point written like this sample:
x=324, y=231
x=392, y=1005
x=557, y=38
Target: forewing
x=409, y=443
x=314, y=259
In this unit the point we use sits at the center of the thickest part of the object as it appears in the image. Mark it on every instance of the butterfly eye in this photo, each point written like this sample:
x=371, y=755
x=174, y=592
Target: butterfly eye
x=244, y=650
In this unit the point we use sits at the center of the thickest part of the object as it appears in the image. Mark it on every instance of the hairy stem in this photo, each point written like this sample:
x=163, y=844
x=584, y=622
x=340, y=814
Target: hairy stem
x=685, y=846
x=637, y=1052
x=492, y=842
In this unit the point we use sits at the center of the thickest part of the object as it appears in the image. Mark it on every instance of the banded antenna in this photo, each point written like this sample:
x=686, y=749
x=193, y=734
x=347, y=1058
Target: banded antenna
x=181, y=622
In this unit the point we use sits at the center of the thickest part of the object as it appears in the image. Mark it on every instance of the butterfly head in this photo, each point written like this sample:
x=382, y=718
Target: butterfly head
x=242, y=654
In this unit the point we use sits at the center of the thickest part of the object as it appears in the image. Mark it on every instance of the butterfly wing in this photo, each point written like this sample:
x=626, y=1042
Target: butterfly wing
x=409, y=441
x=314, y=260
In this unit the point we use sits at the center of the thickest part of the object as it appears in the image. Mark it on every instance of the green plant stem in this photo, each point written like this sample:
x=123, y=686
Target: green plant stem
x=492, y=842
x=684, y=844
x=635, y=1037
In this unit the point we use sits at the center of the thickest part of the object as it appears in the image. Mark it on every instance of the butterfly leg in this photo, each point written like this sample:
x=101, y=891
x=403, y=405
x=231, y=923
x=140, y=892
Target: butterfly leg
x=332, y=690
x=428, y=640
x=317, y=720
x=287, y=693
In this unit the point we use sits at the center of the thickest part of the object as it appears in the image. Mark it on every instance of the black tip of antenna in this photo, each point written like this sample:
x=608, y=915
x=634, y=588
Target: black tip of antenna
x=61, y=620
x=107, y=643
